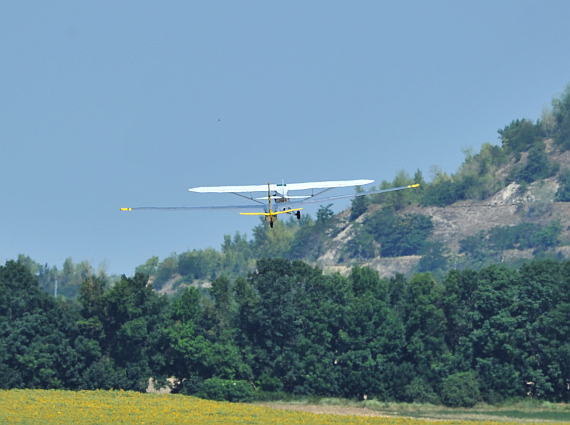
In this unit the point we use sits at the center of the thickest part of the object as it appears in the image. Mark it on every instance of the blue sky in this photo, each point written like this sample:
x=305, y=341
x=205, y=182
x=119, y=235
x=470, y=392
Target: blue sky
x=112, y=104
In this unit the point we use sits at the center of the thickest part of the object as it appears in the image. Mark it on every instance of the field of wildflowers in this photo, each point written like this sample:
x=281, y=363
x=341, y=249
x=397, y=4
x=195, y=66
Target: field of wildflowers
x=125, y=407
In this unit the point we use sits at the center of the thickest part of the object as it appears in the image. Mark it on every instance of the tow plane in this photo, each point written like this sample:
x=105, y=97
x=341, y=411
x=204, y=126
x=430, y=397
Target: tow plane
x=278, y=200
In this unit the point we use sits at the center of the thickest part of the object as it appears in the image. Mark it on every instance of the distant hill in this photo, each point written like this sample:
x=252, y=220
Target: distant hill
x=506, y=204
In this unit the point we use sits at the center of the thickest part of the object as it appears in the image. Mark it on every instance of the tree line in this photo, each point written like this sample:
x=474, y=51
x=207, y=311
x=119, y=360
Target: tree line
x=288, y=329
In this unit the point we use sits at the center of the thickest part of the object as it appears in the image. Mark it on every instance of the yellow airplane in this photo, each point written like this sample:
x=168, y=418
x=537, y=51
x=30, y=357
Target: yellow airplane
x=284, y=202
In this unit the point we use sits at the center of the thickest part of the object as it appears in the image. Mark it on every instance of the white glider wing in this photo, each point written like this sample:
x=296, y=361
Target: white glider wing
x=319, y=200
x=326, y=185
x=232, y=189
x=290, y=186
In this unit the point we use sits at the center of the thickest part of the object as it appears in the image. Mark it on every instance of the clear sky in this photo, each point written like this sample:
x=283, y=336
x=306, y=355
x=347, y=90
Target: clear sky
x=115, y=104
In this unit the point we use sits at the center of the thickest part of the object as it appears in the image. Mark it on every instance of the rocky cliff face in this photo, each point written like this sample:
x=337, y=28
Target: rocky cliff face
x=511, y=206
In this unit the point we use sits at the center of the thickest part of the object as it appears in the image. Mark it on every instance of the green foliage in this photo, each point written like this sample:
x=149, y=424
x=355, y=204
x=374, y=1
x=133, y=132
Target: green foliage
x=227, y=390
x=563, y=192
x=150, y=267
x=420, y=391
x=311, y=238
x=269, y=384
x=273, y=242
x=361, y=244
x=477, y=178
x=307, y=242
x=200, y=264
x=396, y=235
x=520, y=135
x=561, y=112
x=460, y=390
x=36, y=335
x=521, y=236
x=167, y=268
x=537, y=166
x=290, y=329
x=445, y=192
x=434, y=257
x=324, y=214
x=68, y=279
x=399, y=199
x=359, y=205
x=186, y=307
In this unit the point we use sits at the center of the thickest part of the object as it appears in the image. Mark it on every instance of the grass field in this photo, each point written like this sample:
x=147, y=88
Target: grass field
x=525, y=411
x=120, y=407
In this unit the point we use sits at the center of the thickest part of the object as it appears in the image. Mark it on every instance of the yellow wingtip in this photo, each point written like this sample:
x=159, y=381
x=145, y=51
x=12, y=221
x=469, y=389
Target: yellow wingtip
x=414, y=185
x=126, y=209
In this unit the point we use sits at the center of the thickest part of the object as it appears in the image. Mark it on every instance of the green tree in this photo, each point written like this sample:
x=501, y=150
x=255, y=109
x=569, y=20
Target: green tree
x=520, y=135
x=425, y=324
x=561, y=111
x=273, y=242
x=460, y=390
x=324, y=214
x=134, y=321
x=537, y=167
x=359, y=204
x=150, y=267
x=563, y=192
x=361, y=244
x=36, y=335
x=434, y=257
x=397, y=235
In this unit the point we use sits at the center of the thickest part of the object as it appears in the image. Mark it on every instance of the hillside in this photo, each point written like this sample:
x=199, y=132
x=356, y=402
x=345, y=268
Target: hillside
x=511, y=206
x=505, y=204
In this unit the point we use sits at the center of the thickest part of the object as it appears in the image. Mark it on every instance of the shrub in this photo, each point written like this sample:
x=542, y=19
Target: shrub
x=460, y=390
x=397, y=235
x=419, y=391
x=563, y=192
x=226, y=390
x=520, y=135
x=269, y=384
x=537, y=167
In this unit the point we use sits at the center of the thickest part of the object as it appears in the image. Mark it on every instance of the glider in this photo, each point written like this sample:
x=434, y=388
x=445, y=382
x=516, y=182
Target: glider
x=278, y=200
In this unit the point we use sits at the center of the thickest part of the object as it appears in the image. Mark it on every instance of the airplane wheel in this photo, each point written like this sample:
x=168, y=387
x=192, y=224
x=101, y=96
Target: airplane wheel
x=298, y=214
x=271, y=224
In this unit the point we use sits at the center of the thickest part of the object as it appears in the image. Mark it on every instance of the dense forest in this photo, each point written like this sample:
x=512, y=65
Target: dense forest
x=287, y=328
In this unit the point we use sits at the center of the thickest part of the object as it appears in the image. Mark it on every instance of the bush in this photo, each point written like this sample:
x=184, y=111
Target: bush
x=561, y=112
x=269, y=384
x=537, y=167
x=520, y=135
x=563, y=192
x=460, y=390
x=226, y=390
x=434, y=257
x=419, y=391
x=398, y=236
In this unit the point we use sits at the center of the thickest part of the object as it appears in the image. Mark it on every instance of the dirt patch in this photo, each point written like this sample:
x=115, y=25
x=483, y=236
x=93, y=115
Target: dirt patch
x=329, y=410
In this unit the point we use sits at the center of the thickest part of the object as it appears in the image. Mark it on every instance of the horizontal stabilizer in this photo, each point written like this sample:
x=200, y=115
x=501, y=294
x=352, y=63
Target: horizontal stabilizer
x=274, y=213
